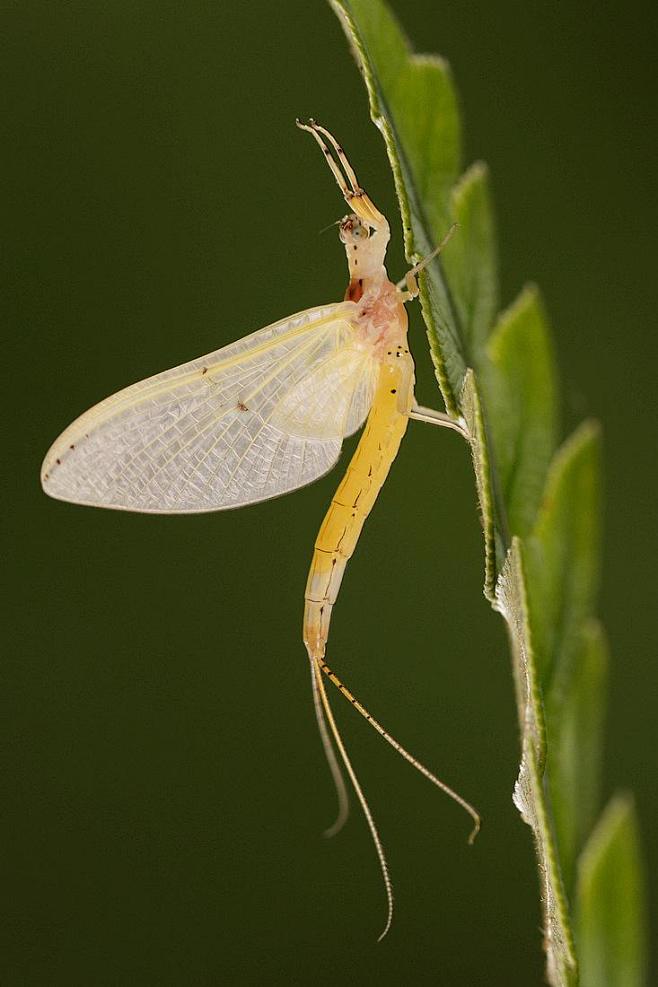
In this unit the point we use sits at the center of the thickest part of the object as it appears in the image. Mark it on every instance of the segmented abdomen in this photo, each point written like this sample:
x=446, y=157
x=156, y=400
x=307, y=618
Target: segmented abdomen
x=354, y=499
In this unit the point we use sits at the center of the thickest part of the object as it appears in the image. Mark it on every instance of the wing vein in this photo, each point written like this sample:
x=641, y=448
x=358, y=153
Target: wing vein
x=251, y=421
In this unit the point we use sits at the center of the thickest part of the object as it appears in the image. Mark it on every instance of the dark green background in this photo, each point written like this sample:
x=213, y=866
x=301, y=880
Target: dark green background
x=166, y=789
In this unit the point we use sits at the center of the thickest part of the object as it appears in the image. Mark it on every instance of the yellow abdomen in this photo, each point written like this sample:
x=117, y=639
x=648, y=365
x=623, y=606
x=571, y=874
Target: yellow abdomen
x=356, y=495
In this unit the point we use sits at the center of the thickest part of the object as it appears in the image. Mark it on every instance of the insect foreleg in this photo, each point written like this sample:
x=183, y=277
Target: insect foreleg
x=353, y=194
x=312, y=128
x=342, y=157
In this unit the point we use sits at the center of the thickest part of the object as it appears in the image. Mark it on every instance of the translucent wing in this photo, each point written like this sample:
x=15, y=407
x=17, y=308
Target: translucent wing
x=333, y=398
x=253, y=420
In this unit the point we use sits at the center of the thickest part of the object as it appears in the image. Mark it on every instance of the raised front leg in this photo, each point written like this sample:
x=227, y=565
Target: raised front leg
x=354, y=195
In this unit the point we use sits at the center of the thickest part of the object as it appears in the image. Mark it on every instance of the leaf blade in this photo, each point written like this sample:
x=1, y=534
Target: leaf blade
x=563, y=549
x=471, y=262
x=574, y=770
x=393, y=74
x=611, y=926
x=540, y=509
x=520, y=384
x=512, y=601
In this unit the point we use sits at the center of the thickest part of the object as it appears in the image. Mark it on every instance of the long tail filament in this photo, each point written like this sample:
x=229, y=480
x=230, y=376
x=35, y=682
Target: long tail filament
x=325, y=716
x=400, y=749
x=334, y=767
x=317, y=666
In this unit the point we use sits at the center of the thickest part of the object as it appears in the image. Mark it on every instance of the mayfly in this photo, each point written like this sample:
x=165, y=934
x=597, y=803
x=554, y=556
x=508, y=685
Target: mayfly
x=265, y=415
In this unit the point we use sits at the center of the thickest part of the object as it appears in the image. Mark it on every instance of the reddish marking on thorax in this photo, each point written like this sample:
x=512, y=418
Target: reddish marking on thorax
x=354, y=291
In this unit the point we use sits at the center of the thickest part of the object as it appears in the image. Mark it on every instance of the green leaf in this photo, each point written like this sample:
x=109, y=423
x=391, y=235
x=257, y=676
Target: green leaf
x=610, y=923
x=561, y=558
x=512, y=599
x=493, y=548
x=471, y=262
x=424, y=149
x=540, y=509
x=521, y=391
x=575, y=720
x=563, y=552
x=431, y=137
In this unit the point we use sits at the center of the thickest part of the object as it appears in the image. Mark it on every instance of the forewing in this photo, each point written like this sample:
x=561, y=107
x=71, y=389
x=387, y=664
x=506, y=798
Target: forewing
x=202, y=436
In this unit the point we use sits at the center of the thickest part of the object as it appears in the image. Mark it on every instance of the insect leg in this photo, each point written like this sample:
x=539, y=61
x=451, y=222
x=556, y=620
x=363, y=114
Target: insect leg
x=409, y=280
x=312, y=128
x=422, y=414
x=353, y=194
x=342, y=157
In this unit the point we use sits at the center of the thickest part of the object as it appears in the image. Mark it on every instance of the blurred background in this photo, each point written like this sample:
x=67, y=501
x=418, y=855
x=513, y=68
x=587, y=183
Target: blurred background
x=166, y=789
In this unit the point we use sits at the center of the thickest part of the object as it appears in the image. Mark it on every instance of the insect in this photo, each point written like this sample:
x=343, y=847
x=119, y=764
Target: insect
x=265, y=415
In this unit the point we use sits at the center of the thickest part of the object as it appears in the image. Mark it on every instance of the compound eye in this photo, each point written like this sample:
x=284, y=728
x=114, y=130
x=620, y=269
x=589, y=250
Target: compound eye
x=352, y=230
